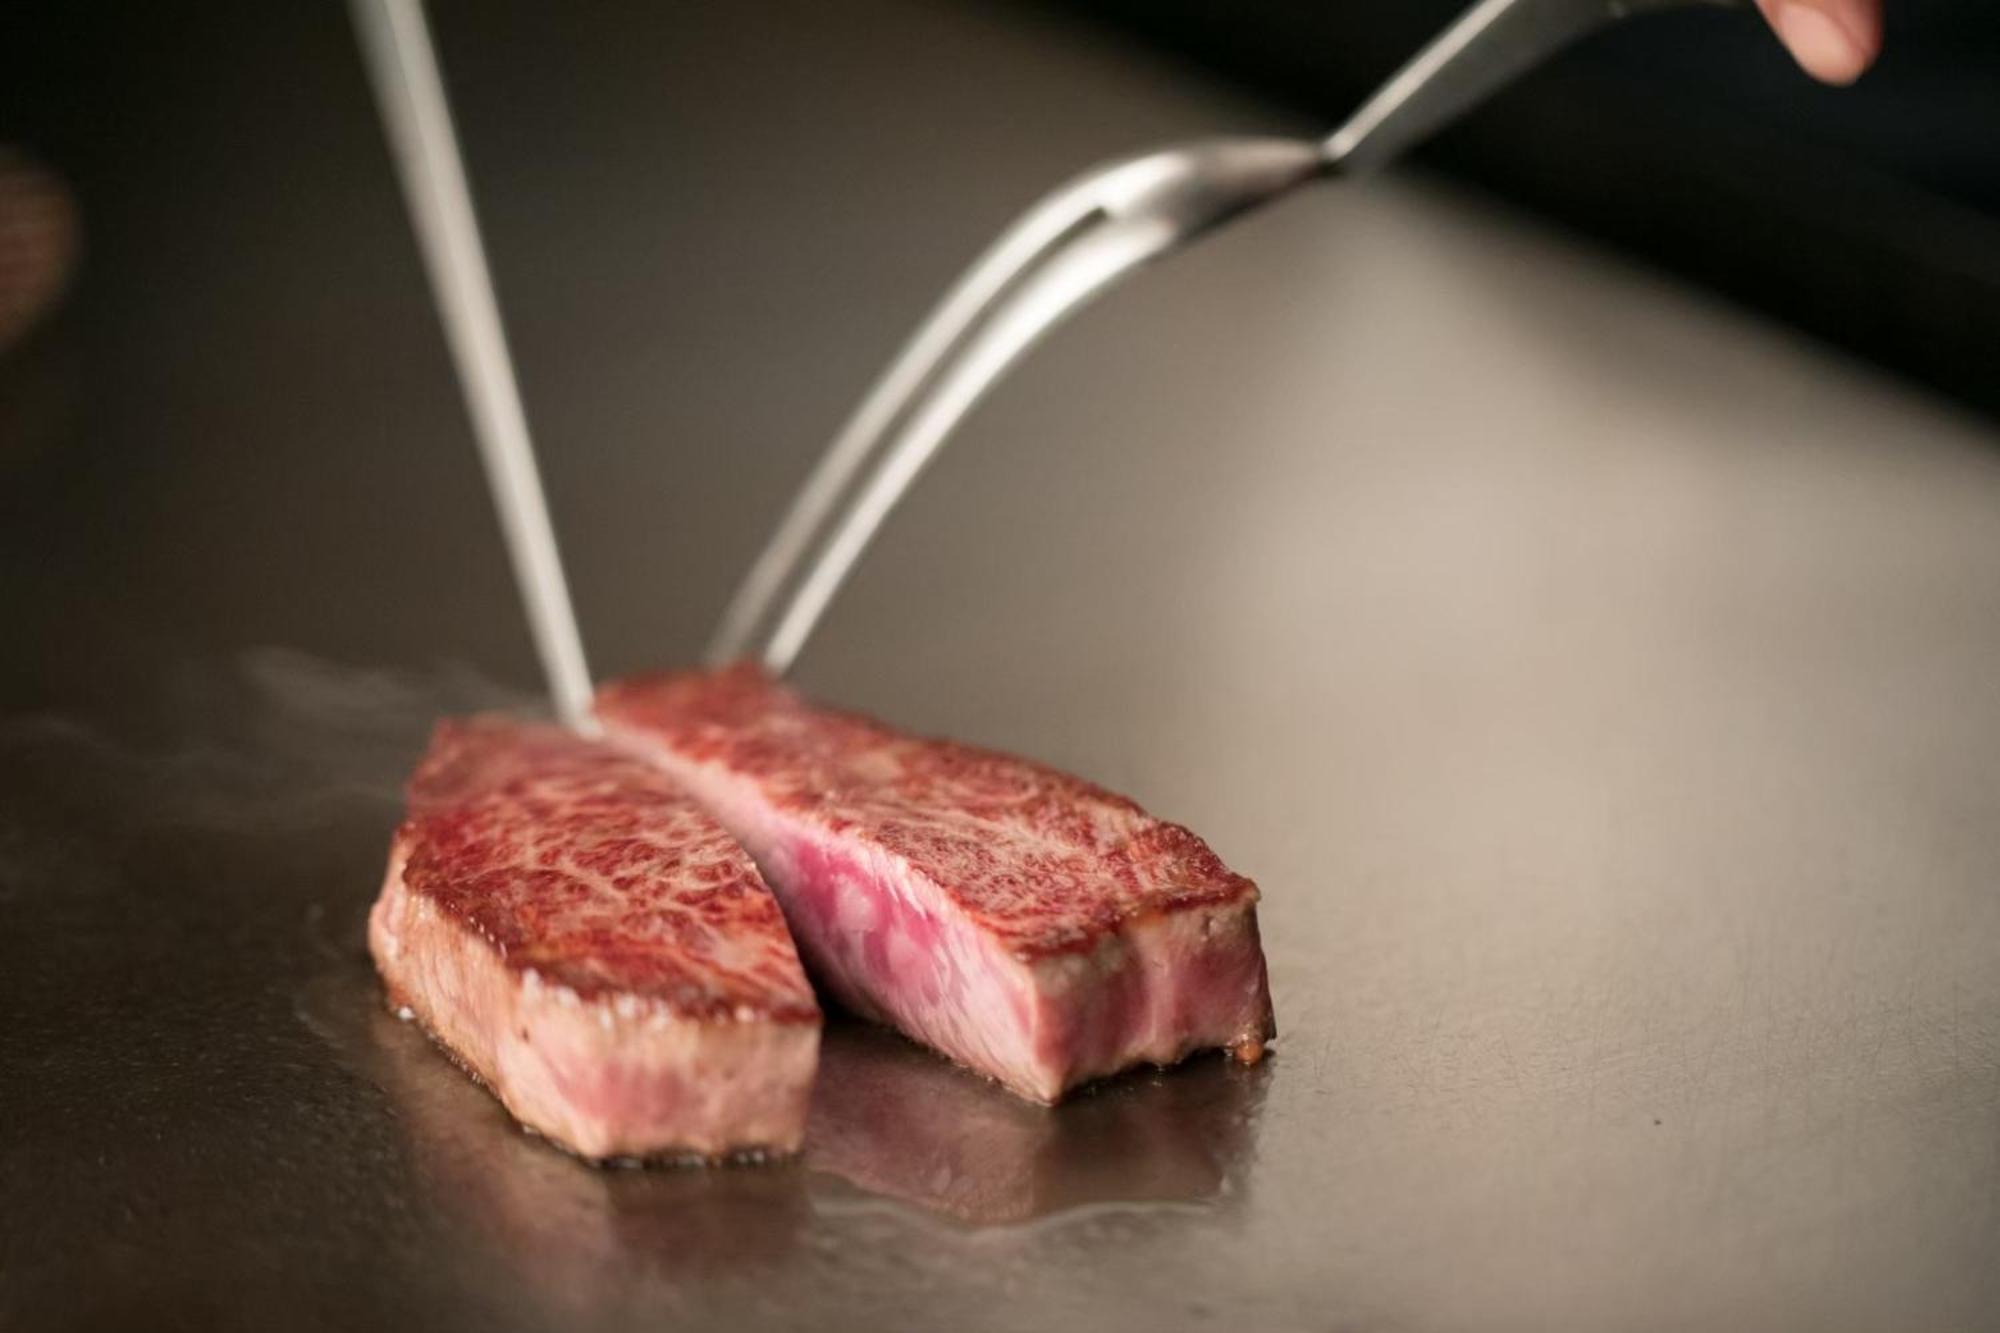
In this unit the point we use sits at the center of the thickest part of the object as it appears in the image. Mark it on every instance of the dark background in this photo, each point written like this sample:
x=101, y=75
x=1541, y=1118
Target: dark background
x=1869, y=216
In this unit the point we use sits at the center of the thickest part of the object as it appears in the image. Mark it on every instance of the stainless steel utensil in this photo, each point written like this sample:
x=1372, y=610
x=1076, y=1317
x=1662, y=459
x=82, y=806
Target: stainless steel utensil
x=1072, y=245
x=1063, y=251
x=402, y=67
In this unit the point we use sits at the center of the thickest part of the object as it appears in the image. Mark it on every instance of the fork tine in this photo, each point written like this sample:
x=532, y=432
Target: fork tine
x=1061, y=253
x=1017, y=250
x=1072, y=245
x=1067, y=277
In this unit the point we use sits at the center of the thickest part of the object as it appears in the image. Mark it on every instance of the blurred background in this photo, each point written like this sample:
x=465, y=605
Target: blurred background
x=1563, y=572
x=711, y=224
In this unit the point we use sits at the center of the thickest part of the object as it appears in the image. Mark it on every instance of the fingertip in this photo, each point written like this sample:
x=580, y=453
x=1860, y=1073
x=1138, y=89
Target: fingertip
x=1826, y=47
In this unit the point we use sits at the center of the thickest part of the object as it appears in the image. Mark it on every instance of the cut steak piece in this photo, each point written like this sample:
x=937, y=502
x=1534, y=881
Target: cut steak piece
x=1027, y=924
x=567, y=922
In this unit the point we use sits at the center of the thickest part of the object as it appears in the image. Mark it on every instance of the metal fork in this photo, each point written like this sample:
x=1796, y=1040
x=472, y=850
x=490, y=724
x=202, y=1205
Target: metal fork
x=1072, y=245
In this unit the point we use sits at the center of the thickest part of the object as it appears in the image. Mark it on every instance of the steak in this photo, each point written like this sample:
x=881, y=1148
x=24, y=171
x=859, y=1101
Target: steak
x=1027, y=924
x=570, y=926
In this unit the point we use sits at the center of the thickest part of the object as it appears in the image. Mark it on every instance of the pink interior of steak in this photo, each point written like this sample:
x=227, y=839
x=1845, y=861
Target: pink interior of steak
x=595, y=948
x=1153, y=990
x=601, y=1077
x=1026, y=923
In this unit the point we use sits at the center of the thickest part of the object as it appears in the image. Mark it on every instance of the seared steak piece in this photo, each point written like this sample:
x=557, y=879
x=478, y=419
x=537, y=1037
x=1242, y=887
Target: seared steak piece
x=1027, y=924
x=567, y=923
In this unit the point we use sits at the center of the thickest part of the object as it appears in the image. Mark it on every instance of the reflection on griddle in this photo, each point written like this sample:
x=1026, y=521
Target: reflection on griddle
x=576, y=1232
x=896, y=1120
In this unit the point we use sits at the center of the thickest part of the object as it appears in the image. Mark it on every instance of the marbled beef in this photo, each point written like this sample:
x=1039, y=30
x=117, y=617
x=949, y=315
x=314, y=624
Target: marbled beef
x=1029, y=925
x=567, y=923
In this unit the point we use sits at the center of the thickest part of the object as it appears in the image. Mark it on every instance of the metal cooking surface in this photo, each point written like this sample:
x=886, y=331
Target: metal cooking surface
x=1599, y=685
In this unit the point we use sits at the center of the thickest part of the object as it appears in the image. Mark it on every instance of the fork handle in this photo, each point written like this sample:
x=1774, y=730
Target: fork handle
x=1482, y=50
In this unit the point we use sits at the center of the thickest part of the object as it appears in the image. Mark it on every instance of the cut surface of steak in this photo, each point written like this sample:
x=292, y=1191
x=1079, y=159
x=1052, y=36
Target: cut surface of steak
x=1029, y=925
x=572, y=927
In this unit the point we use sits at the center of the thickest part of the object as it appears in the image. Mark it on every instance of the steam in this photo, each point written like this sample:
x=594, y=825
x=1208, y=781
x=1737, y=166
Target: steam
x=279, y=741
